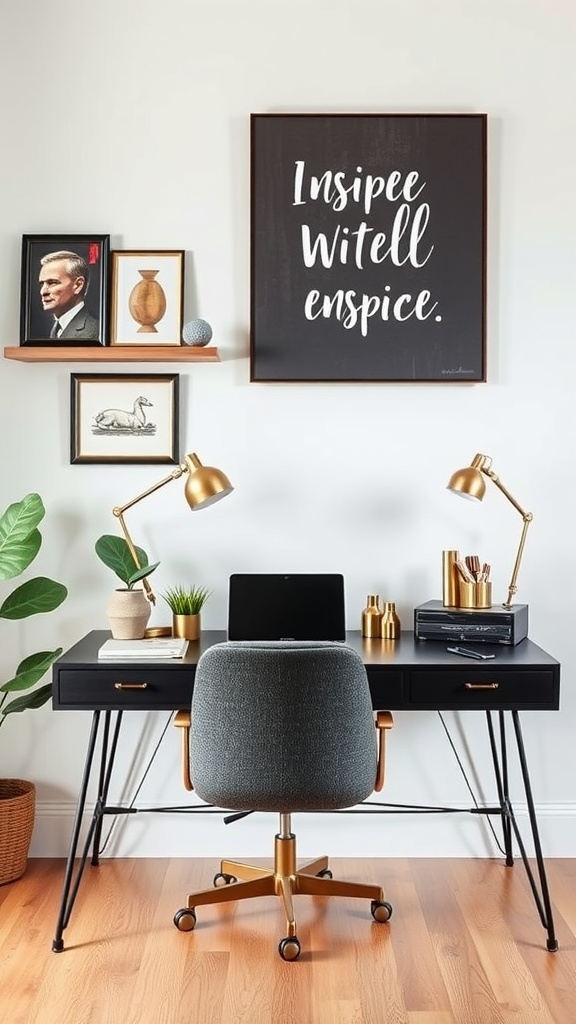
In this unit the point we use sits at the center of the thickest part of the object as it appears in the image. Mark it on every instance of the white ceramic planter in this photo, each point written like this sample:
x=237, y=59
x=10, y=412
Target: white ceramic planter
x=128, y=612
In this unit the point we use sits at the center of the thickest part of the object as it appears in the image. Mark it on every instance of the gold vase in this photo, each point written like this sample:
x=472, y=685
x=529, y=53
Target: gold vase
x=187, y=627
x=147, y=302
x=389, y=623
x=128, y=612
x=371, y=616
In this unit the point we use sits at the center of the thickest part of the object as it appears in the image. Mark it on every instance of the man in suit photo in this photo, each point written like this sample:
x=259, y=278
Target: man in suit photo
x=63, y=282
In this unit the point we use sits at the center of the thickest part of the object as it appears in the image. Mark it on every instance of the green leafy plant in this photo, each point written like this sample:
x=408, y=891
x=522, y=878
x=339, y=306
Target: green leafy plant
x=186, y=600
x=116, y=554
x=20, y=542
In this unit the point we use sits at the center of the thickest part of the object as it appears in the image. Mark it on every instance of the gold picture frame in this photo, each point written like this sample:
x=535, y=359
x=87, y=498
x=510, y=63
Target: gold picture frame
x=147, y=297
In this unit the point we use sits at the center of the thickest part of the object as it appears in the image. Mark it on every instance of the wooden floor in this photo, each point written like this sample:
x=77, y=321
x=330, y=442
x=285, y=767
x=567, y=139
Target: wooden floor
x=464, y=946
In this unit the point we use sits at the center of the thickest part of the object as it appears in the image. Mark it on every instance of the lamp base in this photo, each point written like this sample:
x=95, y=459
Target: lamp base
x=495, y=625
x=155, y=631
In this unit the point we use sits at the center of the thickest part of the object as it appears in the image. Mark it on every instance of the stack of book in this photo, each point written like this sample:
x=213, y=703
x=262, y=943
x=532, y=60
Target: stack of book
x=157, y=647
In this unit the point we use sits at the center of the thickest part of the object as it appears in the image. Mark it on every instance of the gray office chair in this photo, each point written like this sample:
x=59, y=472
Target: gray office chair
x=282, y=727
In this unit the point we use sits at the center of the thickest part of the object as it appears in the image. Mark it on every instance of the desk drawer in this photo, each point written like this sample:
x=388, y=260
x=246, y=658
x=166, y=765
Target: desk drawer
x=386, y=688
x=484, y=687
x=133, y=688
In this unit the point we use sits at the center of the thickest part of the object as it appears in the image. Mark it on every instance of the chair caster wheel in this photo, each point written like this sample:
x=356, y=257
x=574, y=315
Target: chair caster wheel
x=185, y=919
x=221, y=879
x=381, y=911
x=289, y=948
x=326, y=873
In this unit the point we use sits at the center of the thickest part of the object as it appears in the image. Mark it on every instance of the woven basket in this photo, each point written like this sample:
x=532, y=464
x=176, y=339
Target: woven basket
x=17, y=806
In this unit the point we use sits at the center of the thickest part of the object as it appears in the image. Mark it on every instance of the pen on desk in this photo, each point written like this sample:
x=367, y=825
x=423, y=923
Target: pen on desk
x=475, y=655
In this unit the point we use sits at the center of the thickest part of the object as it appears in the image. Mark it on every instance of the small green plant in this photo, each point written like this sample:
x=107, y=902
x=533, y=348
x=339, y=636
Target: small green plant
x=20, y=542
x=186, y=600
x=116, y=554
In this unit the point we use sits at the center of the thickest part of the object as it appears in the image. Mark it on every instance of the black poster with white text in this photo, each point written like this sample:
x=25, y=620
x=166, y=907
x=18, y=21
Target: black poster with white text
x=368, y=259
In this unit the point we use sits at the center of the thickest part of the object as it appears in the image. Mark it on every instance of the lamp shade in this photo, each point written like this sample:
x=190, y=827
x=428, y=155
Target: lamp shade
x=204, y=484
x=468, y=482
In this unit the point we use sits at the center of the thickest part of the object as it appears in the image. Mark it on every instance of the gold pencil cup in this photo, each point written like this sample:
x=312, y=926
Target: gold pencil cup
x=475, y=595
x=449, y=579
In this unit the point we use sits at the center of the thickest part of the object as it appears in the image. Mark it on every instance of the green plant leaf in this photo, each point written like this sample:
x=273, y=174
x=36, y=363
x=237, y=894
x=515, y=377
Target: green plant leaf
x=141, y=574
x=20, y=542
x=186, y=600
x=19, y=539
x=29, y=700
x=38, y=595
x=115, y=554
x=31, y=670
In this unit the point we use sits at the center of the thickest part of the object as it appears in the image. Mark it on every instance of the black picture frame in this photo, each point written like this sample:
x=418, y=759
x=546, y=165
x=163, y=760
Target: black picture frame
x=368, y=247
x=111, y=422
x=90, y=326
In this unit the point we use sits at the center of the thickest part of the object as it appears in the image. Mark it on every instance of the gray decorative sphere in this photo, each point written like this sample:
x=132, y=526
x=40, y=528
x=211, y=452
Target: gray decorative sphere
x=196, y=332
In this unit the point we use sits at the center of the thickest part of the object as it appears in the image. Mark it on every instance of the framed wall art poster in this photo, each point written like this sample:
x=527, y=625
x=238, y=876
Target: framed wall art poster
x=64, y=289
x=368, y=247
x=124, y=418
x=147, y=297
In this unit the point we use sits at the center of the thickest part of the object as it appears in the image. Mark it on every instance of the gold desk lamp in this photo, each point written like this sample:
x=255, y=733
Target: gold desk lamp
x=204, y=486
x=469, y=482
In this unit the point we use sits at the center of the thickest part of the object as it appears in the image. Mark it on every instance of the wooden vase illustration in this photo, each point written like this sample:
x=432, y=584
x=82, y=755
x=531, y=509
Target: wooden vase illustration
x=147, y=302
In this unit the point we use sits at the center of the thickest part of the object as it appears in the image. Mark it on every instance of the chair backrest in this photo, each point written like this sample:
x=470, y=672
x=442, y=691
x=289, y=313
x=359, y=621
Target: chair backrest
x=282, y=726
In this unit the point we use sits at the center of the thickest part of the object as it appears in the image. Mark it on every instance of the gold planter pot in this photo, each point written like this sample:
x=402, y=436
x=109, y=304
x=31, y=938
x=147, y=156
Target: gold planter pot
x=186, y=626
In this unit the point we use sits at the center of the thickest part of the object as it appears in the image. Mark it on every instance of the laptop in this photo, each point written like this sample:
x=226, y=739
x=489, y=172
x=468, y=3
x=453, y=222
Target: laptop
x=282, y=606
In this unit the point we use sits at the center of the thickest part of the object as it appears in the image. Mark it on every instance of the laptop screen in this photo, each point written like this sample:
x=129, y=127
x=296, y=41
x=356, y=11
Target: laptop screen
x=281, y=606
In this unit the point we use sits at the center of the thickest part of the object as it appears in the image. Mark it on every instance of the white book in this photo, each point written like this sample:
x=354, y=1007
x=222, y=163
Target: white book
x=163, y=647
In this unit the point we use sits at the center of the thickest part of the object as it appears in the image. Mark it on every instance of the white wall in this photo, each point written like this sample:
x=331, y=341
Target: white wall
x=133, y=118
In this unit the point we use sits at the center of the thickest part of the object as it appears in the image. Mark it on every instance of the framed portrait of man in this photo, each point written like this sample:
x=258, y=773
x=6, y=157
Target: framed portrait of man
x=64, y=290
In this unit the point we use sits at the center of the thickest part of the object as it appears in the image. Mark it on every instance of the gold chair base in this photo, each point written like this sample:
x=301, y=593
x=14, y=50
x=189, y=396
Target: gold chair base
x=285, y=881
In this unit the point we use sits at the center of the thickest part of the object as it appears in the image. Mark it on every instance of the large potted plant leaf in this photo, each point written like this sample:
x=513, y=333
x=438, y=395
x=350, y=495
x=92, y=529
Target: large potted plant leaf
x=20, y=542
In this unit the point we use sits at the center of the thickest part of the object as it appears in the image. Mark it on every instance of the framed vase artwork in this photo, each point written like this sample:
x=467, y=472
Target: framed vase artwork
x=124, y=417
x=368, y=247
x=147, y=301
x=63, y=298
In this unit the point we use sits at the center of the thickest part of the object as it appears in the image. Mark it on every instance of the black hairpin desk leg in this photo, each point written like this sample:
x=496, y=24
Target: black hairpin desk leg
x=544, y=905
x=541, y=895
x=71, y=883
x=500, y=761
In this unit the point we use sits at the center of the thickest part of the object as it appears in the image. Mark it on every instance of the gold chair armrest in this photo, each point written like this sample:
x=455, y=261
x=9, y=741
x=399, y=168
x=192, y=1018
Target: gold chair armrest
x=182, y=720
x=384, y=721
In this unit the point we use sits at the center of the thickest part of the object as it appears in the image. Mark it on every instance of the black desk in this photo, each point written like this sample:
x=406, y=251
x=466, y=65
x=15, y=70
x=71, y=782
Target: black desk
x=404, y=675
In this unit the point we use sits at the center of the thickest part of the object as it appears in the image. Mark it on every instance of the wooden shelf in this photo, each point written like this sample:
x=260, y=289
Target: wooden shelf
x=113, y=354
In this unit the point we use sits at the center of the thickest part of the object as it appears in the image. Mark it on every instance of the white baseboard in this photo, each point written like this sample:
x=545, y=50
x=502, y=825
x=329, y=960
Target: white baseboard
x=340, y=835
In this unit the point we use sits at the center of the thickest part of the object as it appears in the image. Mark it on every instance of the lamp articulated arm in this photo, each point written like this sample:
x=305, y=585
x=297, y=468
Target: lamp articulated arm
x=527, y=518
x=119, y=513
x=205, y=485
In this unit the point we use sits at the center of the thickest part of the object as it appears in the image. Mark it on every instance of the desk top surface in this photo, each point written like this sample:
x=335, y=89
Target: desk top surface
x=404, y=652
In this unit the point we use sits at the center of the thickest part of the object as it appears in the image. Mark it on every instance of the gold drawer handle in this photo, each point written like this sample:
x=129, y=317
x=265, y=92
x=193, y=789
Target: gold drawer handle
x=130, y=686
x=481, y=686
